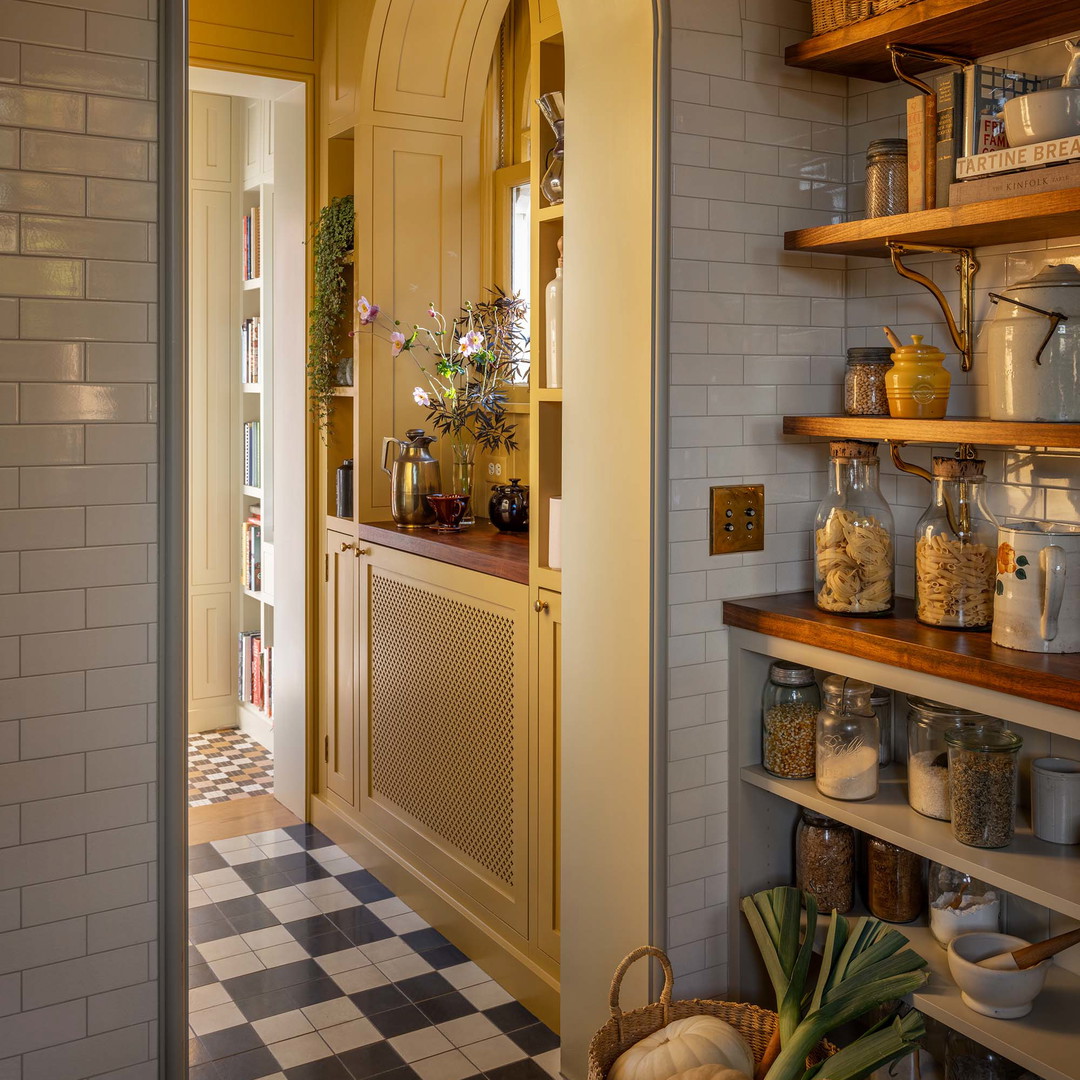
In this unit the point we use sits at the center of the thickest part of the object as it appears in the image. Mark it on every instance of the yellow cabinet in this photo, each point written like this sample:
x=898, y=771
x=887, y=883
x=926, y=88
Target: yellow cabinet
x=547, y=634
x=338, y=713
x=342, y=27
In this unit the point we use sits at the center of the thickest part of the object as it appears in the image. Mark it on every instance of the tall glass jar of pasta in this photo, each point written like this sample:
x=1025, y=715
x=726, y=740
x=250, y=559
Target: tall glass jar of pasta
x=853, y=535
x=955, y=549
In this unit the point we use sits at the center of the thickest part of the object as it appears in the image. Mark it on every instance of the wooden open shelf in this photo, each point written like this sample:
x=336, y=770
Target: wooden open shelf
x=969, y=28
x=902, y=641
x=954, y=429
x=1016, y=220
x=550, y=213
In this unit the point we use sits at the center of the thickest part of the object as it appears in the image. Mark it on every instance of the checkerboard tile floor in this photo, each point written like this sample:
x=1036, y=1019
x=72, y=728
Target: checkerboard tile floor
x=303, y=966
x=226, y=764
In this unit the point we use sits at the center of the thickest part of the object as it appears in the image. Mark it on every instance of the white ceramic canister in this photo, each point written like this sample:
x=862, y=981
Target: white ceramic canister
x=1055, y=799
x=1034, y=348
x=1037, y=593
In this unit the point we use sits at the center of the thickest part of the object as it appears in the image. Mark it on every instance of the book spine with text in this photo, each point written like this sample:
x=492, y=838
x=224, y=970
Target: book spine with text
x=1006, y=185
x=916, y=141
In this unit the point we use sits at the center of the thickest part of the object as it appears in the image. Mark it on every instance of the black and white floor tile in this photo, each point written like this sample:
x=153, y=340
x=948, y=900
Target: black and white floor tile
x=305, y=967
x=226, y=764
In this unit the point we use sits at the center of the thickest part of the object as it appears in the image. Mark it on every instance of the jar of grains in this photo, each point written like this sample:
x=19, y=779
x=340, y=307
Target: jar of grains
x=825, y=861
x=886, y=177
x=960, y=904
x=928, y=758
x=789, y=708
x=894, y=881
x=881, y=701
x=983, y=770
x=846, y=765
x=864, y=381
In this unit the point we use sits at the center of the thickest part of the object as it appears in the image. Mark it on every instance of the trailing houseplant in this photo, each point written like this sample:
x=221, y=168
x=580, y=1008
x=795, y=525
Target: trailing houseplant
x=332, y=240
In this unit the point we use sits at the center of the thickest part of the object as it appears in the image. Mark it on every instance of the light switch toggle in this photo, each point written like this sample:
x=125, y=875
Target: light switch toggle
x=744, y=502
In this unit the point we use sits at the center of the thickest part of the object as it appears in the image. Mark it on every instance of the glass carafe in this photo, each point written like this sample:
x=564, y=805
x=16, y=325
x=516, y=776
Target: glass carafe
x=853, y=535
x=848, y=739
x=955, y=549
x=551, y=185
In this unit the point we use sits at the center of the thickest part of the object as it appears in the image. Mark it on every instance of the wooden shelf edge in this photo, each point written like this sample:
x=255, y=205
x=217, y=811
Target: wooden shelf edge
x=959, y=429
x=1019, y=218
x=901, y=641
x=970, y=28
x=550, y=213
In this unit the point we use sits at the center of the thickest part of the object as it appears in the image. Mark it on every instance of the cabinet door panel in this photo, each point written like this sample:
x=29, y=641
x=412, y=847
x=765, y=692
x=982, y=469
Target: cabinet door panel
x=549, y=719
x=339, y=678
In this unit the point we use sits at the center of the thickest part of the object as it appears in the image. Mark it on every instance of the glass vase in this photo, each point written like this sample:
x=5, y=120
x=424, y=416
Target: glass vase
x=462, y=477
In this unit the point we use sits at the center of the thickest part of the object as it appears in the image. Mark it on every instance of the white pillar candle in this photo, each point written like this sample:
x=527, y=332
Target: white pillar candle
x=555, y=533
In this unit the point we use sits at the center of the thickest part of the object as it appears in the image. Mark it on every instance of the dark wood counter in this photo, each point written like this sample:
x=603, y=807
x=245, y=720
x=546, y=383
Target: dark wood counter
x=482, y=548
x=901, y=640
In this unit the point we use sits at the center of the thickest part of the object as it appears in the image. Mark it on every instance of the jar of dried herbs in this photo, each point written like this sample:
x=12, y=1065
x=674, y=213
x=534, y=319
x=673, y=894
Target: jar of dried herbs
x=825, y=861
x=894, y=881
x=983, y=769
x=789, y=708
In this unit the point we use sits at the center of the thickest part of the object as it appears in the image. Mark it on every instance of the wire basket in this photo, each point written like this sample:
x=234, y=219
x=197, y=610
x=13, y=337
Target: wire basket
x=624, y=1029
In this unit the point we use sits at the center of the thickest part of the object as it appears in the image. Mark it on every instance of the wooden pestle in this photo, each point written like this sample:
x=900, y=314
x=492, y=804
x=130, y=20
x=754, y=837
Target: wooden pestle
x=1030, y=955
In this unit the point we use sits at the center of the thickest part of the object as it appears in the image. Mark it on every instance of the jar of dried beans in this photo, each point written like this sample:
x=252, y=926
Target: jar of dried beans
x=853, y=535
x=983, y=768
x=825, y=861
x=894, y=881
x=864, y=381
x=789, y=708
x=955, y=549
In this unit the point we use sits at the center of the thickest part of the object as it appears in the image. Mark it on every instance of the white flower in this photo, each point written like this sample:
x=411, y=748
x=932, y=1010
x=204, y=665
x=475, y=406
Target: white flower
x=397, y=343
x=369, y=312
x=470, y=343
x=421, y=397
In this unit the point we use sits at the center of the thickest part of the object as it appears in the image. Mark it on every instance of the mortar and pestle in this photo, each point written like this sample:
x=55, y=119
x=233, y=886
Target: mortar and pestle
x=1000, y=975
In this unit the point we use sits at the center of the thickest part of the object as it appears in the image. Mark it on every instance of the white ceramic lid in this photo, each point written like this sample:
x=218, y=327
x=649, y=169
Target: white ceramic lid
x=1051, y=276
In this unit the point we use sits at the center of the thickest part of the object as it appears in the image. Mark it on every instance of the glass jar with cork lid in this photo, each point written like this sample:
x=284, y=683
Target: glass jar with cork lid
x=853, y=535
x=955, y=549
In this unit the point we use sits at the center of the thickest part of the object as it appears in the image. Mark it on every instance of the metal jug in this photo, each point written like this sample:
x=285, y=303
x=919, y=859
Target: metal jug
x=415, y=474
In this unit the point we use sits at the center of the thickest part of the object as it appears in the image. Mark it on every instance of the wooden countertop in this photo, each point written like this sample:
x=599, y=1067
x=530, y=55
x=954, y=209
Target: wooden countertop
x=482, y=548
x=901, y=640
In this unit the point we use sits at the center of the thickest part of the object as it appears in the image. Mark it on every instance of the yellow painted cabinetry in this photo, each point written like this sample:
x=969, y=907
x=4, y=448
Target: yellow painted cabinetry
x=547, y=635
x=339, y=658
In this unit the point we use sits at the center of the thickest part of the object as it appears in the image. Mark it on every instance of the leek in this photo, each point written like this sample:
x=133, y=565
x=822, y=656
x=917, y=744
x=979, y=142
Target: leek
x=862, y=967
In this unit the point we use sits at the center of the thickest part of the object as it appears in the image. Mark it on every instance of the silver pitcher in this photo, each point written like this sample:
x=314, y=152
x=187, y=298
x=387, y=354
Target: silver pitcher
x=415, y=474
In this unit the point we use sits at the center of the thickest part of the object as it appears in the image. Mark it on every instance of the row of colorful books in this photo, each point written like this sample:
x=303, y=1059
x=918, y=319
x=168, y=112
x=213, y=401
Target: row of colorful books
x=253, y=453
x=954, y=131
x=251, y=550
x=250, y=350
x=255, y=672
x=252, y=245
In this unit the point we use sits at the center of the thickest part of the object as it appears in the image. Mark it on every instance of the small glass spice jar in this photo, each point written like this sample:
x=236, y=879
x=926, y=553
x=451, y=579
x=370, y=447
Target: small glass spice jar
x=960, y=904
x=983, y=770
x=886, y=177
x=847, y=740
x=894, y=881
x=928, y=758
x=825, y=861
x=789, y=708
x=956, y=549
x=864, y=381
x=881, y=701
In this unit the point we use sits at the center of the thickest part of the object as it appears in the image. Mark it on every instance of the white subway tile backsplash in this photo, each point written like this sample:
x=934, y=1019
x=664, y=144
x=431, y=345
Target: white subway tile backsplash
x=42, y=193
x=26, y=865
x=72, y=815
x=74, y=568
x=83, y=238
x=84, y=320
x=43, y=403
x=71, y=733
x=121, y=686
x=26, y=1032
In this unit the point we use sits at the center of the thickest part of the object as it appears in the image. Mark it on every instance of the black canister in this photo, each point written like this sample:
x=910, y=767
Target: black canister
x=508, y=507
x=345, y=489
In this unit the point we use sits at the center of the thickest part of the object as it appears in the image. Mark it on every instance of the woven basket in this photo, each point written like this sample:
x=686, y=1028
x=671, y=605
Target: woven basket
x=881, y=6
x=624, y=1029
x=829, y=15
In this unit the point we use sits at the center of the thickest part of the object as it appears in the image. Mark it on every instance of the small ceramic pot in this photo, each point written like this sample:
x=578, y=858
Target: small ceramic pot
x=1006, y=995
x=917, y=385
x=1043, y=116
x=508, y=508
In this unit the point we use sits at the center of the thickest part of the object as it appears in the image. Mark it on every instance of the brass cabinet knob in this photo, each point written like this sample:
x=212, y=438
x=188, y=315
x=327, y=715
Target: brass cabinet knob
x=347, y=547
x=540, y=607
x=362, y=551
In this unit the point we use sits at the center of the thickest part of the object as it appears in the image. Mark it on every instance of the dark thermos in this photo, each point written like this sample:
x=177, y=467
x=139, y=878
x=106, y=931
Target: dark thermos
x=345, y=489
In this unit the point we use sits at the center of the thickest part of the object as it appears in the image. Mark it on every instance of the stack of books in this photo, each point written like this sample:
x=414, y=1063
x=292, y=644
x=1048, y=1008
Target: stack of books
x=255, y=672
x=251, y=550
x=252, y=245
x=250, y=350
x=1020, y=170
x=253, y=453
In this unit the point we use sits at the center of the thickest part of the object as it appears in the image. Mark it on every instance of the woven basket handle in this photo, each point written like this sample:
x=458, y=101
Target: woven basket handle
x=624, y=966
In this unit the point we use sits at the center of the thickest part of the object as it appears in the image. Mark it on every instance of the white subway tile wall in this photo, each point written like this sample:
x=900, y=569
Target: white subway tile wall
x=757, y=332
x=78, y=443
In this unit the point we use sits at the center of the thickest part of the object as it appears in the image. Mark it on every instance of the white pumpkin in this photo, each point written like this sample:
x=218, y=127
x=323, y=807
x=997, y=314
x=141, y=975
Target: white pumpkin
x=684, y=1045
x=711, y=1072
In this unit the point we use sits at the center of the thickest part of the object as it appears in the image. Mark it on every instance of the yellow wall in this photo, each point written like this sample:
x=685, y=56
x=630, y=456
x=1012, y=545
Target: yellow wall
x=277, y=34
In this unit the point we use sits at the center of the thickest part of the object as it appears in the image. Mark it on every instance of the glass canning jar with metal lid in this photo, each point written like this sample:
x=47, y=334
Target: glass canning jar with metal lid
x=853, y=535
x=955, y=549
x=847, y=740
x=886, y=177
x=928, y=759
x=864, y=381
x=983, y=771
x=825, y=861
x=789, y=708
x=881, y=701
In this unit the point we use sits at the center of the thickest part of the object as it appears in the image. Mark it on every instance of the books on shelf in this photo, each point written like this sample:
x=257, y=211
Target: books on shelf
x=916, y=154
x=251, y=350
x=986, y=89
x=251, y=550
x=252, y=244
x=253, y=453
x=1006, y=185
x=949, y=131
x=255, y=672
x=1016, y=158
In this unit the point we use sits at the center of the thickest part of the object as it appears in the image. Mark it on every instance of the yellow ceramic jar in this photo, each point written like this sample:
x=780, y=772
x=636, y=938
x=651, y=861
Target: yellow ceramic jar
x=917, y=385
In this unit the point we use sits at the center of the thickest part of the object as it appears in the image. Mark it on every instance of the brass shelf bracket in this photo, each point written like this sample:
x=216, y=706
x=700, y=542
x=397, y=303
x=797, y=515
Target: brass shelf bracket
x=962, y=332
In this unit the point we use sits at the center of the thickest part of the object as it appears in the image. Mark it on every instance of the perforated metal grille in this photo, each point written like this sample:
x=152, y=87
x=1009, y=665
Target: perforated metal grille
x=442, y=718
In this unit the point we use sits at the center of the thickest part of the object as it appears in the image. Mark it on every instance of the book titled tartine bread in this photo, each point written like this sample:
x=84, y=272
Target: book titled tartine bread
x=1015, y=158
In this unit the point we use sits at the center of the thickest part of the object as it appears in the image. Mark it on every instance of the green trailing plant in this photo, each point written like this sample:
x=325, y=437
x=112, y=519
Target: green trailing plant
x=863, y=966
x=332, y=240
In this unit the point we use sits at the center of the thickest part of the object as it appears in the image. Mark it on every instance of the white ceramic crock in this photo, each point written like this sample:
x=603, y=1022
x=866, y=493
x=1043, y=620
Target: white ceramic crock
x=1042, y=116
x=1037, y=596
x=1027, y=379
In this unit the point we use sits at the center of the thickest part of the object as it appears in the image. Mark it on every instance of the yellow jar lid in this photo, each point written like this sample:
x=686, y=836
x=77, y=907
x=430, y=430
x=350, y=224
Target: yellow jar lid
x=918, y=351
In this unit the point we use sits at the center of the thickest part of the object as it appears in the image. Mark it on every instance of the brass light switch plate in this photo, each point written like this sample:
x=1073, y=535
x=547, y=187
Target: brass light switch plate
x=737, y=519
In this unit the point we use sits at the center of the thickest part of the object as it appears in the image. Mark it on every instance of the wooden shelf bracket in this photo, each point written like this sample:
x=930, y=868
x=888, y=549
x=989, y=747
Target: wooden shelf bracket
x=963, y=334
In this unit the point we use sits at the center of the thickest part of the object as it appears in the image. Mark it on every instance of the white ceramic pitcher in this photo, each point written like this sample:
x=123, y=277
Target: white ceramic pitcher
x=1037, y=596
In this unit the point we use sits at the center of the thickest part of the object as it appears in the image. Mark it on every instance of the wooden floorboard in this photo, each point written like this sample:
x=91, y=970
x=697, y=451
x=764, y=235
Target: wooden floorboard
x=237, y=817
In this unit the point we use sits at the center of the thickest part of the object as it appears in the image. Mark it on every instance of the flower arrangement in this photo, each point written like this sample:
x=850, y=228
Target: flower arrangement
x=470, y=361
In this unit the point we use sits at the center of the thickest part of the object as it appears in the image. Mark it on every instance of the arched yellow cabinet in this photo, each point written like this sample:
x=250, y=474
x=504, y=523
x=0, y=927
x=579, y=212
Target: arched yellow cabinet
x=401, y=90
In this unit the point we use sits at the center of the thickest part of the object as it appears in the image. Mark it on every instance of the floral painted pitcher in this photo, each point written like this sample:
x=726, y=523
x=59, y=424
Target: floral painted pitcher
x=1037, y=596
